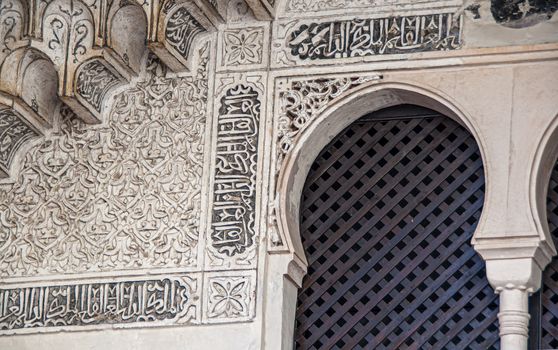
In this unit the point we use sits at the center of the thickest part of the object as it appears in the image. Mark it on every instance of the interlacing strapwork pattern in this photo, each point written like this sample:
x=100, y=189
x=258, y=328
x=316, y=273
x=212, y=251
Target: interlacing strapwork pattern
x=125, y=195
x=389, y=209
x=549, y=289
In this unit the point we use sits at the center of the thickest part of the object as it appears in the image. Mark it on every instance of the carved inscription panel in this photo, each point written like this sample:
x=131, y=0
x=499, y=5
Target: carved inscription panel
x=13, y=134
x=167, y=300
x=181, y=31
x=93, y=83
x=361, y=38
x=233, y=221
x=295, y=7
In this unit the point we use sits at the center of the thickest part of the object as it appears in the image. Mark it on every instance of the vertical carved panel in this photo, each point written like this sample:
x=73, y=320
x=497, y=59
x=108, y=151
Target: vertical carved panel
x=233, y=222
x=68, y=32
x=12, y=26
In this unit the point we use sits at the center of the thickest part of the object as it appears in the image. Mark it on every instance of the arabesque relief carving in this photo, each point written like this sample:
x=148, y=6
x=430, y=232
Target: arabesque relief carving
x=303, y=100
x=12, y=19
x=300, y=101
x=121, y=196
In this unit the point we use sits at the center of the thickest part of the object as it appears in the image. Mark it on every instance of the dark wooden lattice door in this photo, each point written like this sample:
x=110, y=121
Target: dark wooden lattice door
x=546, y=312
x=388, y=212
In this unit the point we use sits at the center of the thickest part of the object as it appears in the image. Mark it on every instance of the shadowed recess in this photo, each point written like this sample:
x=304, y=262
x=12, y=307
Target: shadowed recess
x=389, y=210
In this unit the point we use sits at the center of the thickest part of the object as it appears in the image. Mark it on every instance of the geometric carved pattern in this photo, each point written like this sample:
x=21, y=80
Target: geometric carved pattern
x=230, y=298
x=549, y=289
x=125, y=195
x=389, y=209
x=168, y=299
x=243, y=46
x=233, y=217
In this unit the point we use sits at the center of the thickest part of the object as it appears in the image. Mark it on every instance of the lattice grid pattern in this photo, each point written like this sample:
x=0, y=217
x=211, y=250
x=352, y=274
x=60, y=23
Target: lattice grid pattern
x=389, y=209
x=549, y=290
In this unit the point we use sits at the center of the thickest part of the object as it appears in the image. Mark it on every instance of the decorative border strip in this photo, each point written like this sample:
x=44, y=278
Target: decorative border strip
x=233, y=217
x=139, y=303
x=311, y=41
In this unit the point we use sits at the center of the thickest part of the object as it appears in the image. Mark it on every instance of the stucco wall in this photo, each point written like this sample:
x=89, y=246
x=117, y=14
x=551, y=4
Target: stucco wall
x=173, y=221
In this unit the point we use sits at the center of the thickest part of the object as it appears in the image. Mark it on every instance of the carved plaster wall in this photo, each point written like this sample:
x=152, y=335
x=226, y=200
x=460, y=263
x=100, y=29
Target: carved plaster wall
x=144, y=182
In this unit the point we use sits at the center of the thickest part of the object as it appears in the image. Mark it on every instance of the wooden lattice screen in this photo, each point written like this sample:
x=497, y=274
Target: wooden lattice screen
x=547, y=310
x=388, y=212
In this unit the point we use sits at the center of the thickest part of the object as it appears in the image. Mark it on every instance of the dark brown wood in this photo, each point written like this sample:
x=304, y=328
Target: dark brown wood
x=548, y=313
x=388, y=212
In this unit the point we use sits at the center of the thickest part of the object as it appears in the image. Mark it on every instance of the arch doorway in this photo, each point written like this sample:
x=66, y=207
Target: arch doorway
x=544, y=304
x=388, y=211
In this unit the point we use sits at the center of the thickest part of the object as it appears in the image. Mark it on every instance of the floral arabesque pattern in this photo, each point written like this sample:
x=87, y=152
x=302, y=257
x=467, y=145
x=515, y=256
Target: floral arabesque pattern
x=121, y=196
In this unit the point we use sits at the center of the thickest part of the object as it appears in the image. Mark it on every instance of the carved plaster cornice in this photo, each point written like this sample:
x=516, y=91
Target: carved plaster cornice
x=77, y=52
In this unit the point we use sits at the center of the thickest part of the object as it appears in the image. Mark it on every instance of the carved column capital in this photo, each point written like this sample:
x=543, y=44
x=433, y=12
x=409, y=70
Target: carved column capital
x=522, y=274
x=526, y=253
x=514, y=279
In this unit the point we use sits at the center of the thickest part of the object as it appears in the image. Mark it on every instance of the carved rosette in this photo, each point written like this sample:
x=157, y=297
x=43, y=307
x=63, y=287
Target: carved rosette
x=230, y=297
x=242, y=48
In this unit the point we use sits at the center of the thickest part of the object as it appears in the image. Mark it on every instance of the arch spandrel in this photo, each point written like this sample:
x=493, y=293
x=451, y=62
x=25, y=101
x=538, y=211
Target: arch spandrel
x=543, y=162
x=324, y=127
